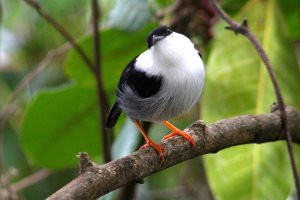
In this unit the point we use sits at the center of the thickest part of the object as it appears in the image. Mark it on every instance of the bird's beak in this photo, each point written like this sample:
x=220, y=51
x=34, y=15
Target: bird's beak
x=157, y=38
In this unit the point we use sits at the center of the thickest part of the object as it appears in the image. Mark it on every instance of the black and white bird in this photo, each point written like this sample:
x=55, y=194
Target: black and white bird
x=159, y=84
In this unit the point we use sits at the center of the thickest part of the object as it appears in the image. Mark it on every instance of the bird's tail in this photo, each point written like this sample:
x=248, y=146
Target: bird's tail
x=113, y=116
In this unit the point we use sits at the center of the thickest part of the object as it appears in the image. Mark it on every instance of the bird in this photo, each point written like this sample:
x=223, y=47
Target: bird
x=159, y=84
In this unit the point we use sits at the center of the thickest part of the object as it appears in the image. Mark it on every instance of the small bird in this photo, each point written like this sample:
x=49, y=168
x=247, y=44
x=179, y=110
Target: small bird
x=159, y=84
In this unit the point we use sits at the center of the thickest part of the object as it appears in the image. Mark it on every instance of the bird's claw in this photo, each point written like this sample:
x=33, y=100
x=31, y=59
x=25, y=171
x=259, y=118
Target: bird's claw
x=160, y=150
x=183, y=134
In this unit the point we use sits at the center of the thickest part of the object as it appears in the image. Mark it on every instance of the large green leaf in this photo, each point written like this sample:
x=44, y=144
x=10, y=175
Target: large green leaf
x=60, y=123
x=237, y=83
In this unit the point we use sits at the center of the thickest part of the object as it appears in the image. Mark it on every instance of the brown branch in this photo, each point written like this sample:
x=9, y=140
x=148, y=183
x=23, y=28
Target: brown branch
x=62, y=31
x=84, y=162
x=102, y=98
x=244, y=30
x=100, y=180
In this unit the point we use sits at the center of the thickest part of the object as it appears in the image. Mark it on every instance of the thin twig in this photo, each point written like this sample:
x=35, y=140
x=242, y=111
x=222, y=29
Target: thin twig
x=62, y=31
x=102, y=99
x=9, y=107
x=100, y=180
x=30, y=180
x=244, y=30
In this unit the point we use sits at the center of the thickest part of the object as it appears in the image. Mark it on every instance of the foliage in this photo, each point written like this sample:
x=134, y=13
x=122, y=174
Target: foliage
x=76, y=121
x=56, y=115
x=239, y=84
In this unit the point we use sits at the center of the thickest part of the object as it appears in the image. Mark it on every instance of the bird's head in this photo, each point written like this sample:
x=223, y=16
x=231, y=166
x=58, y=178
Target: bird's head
x=157, y=35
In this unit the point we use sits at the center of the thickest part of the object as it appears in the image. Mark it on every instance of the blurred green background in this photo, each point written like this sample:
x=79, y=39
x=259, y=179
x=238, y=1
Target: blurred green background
x=56, y=115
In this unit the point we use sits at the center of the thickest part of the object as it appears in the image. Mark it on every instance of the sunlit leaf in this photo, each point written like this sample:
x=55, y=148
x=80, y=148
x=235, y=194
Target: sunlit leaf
x=237, y=83
x=60, y=123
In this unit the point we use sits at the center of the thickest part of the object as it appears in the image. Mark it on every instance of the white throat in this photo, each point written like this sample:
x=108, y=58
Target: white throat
x=173, y=53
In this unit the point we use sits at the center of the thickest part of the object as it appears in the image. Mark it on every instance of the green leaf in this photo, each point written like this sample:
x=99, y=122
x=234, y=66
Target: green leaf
x=60, y=123
x=237, y=83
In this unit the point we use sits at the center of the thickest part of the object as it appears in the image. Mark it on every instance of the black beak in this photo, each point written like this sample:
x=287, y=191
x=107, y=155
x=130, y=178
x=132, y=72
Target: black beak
x=154, y=39
x=157, y=38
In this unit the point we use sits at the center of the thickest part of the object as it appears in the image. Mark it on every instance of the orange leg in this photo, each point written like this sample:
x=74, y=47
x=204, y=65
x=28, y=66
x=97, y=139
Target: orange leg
x=149, y=142
x=176, y=131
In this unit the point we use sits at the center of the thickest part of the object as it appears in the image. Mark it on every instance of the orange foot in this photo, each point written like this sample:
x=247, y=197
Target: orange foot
x=149, y=143
x=157, y=147
x=176, y=131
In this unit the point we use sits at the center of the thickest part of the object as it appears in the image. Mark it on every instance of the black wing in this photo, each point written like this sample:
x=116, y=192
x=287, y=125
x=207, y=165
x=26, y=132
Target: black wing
x=143, y=84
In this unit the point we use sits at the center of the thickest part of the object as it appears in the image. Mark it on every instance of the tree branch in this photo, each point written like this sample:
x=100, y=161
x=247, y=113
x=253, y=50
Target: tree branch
x=30, y=180
x=100, y=180
x=102, y=98
x=244, y=30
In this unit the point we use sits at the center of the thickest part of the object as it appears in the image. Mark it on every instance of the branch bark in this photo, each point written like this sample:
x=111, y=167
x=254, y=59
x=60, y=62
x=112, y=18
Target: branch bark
x=99, y=180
